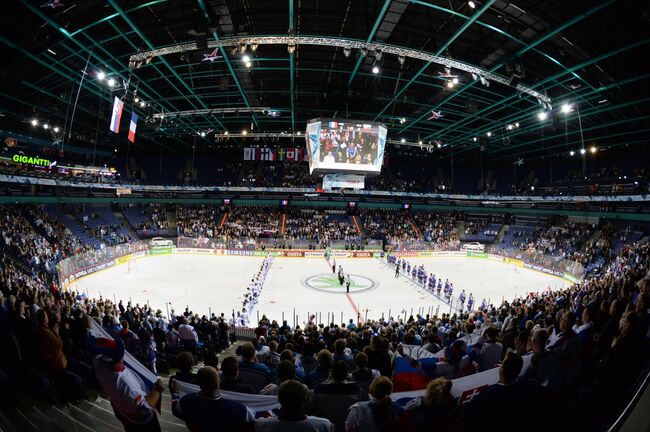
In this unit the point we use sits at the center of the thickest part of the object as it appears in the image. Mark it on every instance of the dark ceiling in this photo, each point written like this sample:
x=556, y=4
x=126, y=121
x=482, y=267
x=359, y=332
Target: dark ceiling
x=593, y=54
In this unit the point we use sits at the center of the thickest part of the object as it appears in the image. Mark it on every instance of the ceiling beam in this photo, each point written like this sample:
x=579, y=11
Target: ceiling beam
x=371, y=35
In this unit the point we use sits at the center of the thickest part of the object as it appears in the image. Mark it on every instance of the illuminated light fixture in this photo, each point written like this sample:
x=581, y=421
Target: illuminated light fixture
x=489, y=134
x=572, y=153
x=475, y=139
x=593, y=149
x=111, y=82
x=136, y=100
x=375, y=70
x=509, y=127
x=298, y=133
x=244, y=132
x=542, y=115
x=450, y=84
x=34, y=122
x=242, y=49
x=378, y=55
x=246, y=58
x=420, y=142
x=364, y=52
x=455, y=81
x=346, y=52
x=474, y=76
x=143, y=104
x=516, y=124
x=202, y=134
x=583, y=151
x=566, y=108
x=402, y=140
x=401, y=59
x=101, y=75
x=46, y=126
x=56, y=129
x=253, y=47
x=471, y=4
x=291, y=49
x=225, y=133
x=248, y=64
x=439, y=145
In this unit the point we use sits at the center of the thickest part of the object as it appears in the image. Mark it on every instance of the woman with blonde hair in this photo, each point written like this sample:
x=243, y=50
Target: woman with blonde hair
x=380, y=413
x=436, y=406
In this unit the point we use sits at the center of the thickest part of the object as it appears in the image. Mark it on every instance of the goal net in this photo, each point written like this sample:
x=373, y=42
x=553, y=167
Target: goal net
x=131, y=266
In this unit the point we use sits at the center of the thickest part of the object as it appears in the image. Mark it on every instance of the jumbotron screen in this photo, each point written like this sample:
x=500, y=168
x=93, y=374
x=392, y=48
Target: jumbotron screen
x=345, y=146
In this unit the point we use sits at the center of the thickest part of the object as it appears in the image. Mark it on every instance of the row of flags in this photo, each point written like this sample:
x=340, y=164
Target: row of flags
x=274, y=154
x=118, y=107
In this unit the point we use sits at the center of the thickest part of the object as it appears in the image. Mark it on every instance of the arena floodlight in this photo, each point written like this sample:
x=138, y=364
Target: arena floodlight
x=378, y=55
x=202, y=134
x=225, y=132
x=254, y=47
x=583, y=151
x=246, y=58
x=364, y=52
x=111, y=82
x=56, y=129
x=566, y=108
x=516, y=124
x=142, y=104
x=101, y=75
x=474, y=76
x=455, y=81
x=291, y=48
x=593, y=149
x=244, y=132
x=450, y=84
x=34, y=122
x=402, y=140
x=571, y=153
x=509, y=127
x=346, y=52
x=46, y=126
x=542, y=115
x=475, y=139
x=242, y=48
x=136, y=100
x=375, y=70
x=489, y=134
x=471, y=4
x=401, y=59
x=248, y=64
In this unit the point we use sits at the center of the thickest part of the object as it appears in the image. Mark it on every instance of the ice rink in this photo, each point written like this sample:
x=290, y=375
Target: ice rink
x=306, y=285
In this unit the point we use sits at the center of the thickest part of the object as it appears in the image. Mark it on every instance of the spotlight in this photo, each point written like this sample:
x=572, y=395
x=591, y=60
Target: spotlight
x=46, y=126
x=142, y=104
x=225, y=133
x=364, y=52
x=402, y=140
x=593, y=149
x=56, y=129
x=291, y=48
x=455, y=81
x=420, y=142
x=375, y=70
x=516, y=124
x=111, y=82
x=347, y=51
x=583, y=151
x=136, y=100
x=242, y=48
x=401, y=59
x=439, y=145
x=378, y=55
x=474, y=139
x=402, y=120
x=542, y=115
x=489, y=134
x=202, y=134
x=253, y=47
x=471, y=4
x=34, y=122
x=509, y=127
x=572, y=153
x=101, y=75
x=474, y=76
x=246, y=58
x=248, y=64
x=450, y=84
x=244, y=132
x=566, y=108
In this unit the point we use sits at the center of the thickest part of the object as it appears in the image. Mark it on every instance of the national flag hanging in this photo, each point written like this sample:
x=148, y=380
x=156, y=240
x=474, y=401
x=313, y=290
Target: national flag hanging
x=118, y=105
x=132, y=126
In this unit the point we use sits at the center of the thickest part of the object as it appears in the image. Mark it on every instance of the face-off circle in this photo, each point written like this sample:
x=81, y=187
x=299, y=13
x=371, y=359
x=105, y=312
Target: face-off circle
x=328, y=282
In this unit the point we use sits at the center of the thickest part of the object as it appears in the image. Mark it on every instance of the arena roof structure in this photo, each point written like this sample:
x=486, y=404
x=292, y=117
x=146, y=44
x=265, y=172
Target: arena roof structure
x=536, y=76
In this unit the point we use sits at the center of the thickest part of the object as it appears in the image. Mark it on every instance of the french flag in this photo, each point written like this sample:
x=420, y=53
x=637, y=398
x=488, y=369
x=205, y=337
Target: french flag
x=132, y=126
x=118, y=105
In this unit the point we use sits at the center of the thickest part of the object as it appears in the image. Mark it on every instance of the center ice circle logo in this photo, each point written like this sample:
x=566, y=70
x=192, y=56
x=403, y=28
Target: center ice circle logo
x=330, y=283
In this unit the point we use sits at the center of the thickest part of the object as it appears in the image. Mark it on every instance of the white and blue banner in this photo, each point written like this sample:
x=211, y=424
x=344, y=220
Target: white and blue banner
x=343, y=181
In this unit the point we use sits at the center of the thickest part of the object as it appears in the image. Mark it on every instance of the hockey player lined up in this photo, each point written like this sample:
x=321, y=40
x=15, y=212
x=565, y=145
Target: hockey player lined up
x=484, y=305
x=397, y=271
x=470, y=302
x=403, y=264
x=439, y=286
x=461, y=299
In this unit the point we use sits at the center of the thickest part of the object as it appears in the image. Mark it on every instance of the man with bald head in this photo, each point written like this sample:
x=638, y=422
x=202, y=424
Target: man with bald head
x=207, y=410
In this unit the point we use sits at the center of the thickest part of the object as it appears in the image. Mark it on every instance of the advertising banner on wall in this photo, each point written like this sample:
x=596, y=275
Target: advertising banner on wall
x=343, y=181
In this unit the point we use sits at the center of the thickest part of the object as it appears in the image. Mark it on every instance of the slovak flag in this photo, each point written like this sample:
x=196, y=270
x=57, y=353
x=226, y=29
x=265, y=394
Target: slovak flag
x=132, y=126
x=117, y=115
